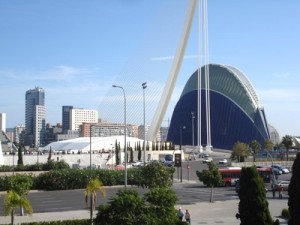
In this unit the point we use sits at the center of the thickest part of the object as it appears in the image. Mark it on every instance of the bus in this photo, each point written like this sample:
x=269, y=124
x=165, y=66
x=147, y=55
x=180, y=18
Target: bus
x=231, y=174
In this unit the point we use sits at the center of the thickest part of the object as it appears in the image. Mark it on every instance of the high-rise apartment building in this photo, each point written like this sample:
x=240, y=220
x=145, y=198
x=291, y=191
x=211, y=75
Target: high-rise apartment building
x=3, y=121
x=66, y=118
x=79, y=116
x=35, y=117
x=106, y=129
x=18, y=130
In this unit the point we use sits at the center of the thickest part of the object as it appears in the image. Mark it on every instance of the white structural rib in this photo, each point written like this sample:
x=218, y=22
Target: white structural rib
x=169, y=87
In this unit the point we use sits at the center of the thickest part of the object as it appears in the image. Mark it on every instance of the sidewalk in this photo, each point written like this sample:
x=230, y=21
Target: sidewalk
x=201, y=213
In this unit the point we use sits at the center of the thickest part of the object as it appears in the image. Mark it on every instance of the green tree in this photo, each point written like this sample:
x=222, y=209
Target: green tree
x=240, y=151
x=287, y=141
x=13, y=200
x=117, y=152
x=20, y=156
x=294, y=193
x=161, y=206
x=90, y=192
x=253, y=206
x=50, y=154
x=131, y=154
x=211, y=177
x=127, y=207
x=268, y=145
x=255, y=147
x=139, y=152
x=19, y=184
x=155, y=175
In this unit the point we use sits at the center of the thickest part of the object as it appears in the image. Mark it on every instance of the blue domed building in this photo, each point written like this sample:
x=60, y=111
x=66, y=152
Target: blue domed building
x=235, y=111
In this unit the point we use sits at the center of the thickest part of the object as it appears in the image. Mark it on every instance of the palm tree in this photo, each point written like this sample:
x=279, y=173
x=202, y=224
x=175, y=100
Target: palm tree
x=13, y=200
x=268, y=145
x=239, y=151
x=255, y=146
x=287, y=141
x=91, y=192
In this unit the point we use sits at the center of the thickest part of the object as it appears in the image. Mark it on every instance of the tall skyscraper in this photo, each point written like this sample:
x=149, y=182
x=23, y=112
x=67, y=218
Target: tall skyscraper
x=66, y=118
x=35, y=117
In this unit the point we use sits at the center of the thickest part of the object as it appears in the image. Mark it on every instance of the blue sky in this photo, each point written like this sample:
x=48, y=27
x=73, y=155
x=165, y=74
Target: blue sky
x=76, y=50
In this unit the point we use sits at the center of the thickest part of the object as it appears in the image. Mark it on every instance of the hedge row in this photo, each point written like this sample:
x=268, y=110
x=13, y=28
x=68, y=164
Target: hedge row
x=64, y=222
x=49, y=165
x=72, y=179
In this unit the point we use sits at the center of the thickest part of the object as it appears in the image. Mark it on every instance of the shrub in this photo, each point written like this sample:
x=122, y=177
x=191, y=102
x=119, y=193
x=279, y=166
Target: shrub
x=63, y=222
x=76, y=178
x=285, y=213
x=21, y=184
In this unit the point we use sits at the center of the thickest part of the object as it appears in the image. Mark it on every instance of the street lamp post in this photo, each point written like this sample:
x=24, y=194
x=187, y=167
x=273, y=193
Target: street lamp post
x=91, y=196
x=144, y=86
x=125, y=134
x=193, y=144
x=273, y=173
x=193, y=138
x=181, y=128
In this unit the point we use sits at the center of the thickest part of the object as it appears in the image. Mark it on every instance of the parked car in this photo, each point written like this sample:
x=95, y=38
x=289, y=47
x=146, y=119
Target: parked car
x=138, y=163
x=284, y=183
x=168, y=163
x=282, y=169
x=207, y=160
x=203, y=155
x=223, y=161
x=276, y=171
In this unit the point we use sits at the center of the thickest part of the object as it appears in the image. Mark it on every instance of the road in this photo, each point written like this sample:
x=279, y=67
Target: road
x=69, y=200
x=188, y=192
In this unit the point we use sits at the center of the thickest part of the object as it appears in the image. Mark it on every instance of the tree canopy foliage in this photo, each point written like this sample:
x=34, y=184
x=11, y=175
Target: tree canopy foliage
x=268, y=145
x=287, y=141
x=239, y=151
x=128, y=207
x=154, y=175
x=211, y=177
x=255, y=147
x=13, y=200
x=253, y=206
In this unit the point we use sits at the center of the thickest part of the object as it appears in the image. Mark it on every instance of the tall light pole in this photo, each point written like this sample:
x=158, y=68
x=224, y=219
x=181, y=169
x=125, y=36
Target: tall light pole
x=181, y=128
x=91, y=197
x=193, y=144
x=144, y=86
x=125, y=134
x=273, y=172
x=193, y=138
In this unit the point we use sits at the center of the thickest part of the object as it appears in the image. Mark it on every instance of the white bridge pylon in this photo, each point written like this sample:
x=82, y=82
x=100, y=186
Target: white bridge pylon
x=173, y=75
x=169, y=87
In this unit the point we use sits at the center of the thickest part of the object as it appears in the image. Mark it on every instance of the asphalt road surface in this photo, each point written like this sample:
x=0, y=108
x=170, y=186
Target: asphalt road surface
x=190, y=191
x=55, y=201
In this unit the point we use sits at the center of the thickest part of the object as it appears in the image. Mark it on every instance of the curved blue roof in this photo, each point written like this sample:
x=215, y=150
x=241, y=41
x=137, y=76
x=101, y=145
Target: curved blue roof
x=236, y=114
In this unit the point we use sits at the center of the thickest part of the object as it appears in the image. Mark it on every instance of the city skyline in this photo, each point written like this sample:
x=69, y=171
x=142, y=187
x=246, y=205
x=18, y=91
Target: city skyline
x=76, y=51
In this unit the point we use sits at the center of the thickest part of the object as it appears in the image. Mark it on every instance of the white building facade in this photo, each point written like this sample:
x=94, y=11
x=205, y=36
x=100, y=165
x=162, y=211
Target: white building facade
x=3, y=121
x=79, y=116
x=39, y=125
